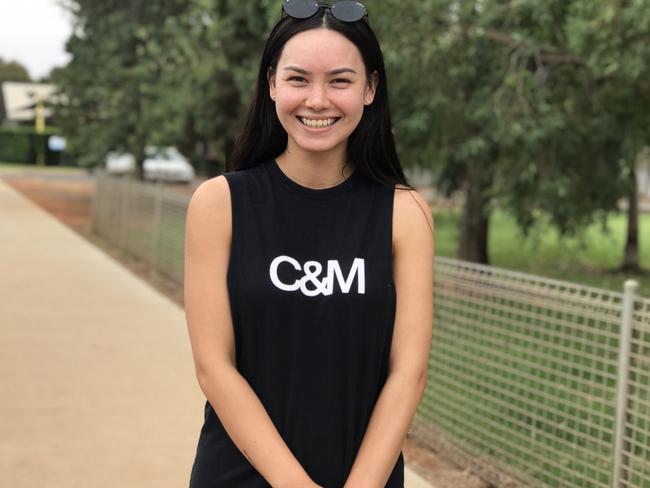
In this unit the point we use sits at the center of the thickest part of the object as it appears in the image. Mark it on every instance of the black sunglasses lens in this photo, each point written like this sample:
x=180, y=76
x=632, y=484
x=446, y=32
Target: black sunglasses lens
x=300, y=9
x=348, y=11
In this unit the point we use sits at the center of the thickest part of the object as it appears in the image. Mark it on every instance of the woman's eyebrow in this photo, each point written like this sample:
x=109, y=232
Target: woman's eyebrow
x=333, y=72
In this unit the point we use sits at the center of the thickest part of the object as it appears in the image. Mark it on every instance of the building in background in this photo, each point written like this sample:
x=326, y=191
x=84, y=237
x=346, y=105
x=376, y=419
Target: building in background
x=19, y=102
x=27, y=134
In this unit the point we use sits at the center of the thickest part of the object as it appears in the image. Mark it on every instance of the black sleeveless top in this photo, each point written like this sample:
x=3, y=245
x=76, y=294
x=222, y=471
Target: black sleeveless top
x=313, y=306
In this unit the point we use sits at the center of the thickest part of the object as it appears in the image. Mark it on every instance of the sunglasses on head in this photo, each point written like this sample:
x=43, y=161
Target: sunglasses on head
x=344, y=10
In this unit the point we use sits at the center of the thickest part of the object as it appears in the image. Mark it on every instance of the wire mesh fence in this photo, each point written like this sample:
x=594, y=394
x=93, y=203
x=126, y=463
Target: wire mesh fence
x=532, y=382
x=525, y=382
x=145, y=220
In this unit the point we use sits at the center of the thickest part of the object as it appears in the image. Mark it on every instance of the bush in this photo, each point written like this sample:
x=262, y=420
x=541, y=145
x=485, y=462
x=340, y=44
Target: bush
x=23, y=144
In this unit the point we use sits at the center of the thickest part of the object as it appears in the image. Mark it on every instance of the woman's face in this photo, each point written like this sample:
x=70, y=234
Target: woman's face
x=320, y=89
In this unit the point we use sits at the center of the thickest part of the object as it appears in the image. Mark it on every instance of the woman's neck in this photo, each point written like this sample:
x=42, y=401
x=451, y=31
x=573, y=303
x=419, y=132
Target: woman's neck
x=315, y=170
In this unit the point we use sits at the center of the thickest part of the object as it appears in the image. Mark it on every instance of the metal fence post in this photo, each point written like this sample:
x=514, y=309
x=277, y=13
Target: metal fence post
x=124, y=212
x=157, y=216
x=94, y=207
x=629, y=295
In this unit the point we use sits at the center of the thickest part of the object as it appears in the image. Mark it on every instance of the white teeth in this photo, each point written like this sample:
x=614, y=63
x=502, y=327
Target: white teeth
x=317, y=123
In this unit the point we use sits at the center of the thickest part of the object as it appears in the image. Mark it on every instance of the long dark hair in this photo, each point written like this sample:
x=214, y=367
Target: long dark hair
x=371, y=146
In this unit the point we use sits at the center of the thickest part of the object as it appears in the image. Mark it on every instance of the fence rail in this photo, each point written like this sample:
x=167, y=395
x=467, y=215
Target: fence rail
x=532, y=382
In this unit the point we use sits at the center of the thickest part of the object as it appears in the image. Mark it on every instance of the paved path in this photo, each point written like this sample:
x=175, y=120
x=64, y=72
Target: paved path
x=98, y=387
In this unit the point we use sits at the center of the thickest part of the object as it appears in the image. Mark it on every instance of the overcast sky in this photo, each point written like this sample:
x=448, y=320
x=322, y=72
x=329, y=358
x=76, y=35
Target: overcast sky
x=33, y=32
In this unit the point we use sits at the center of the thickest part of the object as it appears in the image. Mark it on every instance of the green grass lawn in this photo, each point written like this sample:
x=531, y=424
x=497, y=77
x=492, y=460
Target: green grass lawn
x=587, y=259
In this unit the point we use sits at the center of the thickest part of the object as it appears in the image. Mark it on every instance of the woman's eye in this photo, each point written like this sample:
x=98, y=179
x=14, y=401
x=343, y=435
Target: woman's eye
x=300, y=79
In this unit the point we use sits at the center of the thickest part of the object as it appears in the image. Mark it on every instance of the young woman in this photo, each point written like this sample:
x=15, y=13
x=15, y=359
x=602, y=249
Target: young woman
x=309, y=272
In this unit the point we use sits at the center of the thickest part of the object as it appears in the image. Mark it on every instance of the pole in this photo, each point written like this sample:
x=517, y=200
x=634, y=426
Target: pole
x=619, y=471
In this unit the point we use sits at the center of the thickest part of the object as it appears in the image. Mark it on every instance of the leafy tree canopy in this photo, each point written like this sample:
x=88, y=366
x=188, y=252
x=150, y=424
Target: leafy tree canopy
x=13, y=71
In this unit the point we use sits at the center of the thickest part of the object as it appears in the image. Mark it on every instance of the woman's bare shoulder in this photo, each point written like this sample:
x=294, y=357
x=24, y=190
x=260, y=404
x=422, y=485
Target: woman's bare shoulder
x=212, y=195
x=411, y=211
x=212, y=190
x=209, y=207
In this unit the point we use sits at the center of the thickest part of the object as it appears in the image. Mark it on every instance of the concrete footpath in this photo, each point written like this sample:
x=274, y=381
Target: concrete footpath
x=97, y=387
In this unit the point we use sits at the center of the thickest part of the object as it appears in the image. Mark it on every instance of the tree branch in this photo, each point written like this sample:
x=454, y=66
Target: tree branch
x=547, y=54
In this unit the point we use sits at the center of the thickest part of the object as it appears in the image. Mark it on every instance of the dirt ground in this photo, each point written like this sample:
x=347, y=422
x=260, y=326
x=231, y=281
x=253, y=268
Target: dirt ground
x=69, y=199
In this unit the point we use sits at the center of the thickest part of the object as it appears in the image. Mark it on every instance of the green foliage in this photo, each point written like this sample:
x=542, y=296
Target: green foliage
x=162, y=73
x=13, y=71
x=22, y=144
x=544, y=99
x=15, y=146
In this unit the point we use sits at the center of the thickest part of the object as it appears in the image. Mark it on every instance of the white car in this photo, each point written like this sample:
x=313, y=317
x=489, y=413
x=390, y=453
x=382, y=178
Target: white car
x=120, y=163
x=168, y=164
x=161, y=163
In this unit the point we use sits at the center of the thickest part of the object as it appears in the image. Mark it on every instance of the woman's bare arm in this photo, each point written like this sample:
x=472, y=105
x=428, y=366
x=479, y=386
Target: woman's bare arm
x=209, y=322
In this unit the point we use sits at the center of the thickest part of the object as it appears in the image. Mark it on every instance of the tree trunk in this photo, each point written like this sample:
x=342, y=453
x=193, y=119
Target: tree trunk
x=474, y=224
x=139, y=137
x=139, y=160
x=631, y=257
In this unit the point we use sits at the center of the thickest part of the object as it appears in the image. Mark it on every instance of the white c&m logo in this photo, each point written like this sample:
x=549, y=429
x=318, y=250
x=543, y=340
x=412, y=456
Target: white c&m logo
x=312, y=270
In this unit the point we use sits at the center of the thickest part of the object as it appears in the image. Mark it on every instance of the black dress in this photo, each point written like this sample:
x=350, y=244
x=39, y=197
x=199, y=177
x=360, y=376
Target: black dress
x=313, y=306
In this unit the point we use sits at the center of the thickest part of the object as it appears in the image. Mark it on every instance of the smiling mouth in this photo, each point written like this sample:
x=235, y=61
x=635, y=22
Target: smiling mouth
x=318, y=124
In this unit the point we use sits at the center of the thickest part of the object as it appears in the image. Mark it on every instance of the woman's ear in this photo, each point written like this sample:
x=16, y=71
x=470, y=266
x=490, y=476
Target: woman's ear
x=371, y=88
x=270, y=77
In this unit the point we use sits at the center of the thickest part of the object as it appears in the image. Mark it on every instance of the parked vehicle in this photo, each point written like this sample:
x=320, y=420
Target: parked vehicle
x=160, y=163
x=167, y=164
x=119, y=163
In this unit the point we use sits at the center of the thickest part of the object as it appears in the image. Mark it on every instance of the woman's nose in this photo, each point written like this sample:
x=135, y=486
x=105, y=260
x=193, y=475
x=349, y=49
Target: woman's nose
x=317, y=99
